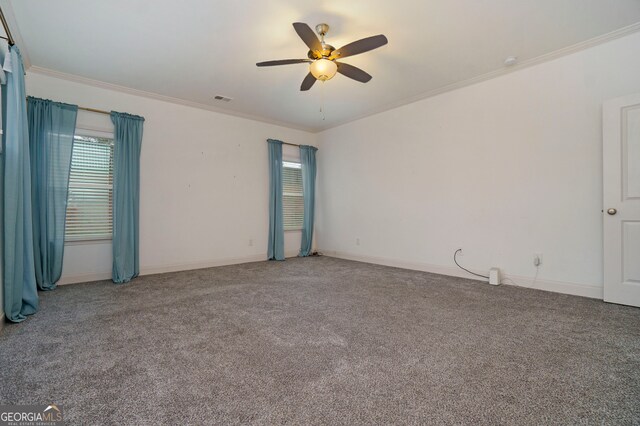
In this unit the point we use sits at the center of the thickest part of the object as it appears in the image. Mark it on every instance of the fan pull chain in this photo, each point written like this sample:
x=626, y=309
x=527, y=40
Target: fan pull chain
x=322, y=100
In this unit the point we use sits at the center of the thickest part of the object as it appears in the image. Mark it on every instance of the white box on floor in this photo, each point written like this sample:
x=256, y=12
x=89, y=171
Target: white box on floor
x=494, y=276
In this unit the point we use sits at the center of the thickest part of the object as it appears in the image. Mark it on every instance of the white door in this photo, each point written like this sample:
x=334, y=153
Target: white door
x=621, y=210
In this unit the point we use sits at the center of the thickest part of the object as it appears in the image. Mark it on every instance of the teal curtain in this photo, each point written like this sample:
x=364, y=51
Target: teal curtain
x=127, y=140
x=308, y=161
x=52, y=126
x=275, y=249
x=20, y=291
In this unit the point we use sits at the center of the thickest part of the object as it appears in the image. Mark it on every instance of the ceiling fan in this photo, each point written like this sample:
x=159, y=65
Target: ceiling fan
x=322, y=57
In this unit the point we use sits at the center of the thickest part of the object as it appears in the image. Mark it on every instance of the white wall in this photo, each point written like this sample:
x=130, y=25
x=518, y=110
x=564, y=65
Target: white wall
x=503, y=169
x=204, y=182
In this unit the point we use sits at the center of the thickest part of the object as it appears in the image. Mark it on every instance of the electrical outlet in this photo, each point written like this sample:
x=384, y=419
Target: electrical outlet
x=537, y=259
x=250, y=242
x=357, y=241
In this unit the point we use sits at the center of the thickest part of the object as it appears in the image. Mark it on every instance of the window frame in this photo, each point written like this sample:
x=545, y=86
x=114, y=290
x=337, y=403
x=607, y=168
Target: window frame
x=296, y=161
x=91, y=133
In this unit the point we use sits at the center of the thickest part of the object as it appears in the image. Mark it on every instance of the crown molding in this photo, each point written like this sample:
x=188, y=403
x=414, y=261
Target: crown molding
x=150, y=95
x=7, y=9
x=592, y=42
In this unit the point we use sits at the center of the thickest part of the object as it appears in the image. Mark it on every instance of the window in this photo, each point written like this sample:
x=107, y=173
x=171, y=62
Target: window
x=292, y=202
x=90, y=199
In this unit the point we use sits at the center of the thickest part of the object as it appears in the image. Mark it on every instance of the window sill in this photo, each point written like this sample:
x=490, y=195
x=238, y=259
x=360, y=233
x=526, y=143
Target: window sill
x=85, y=242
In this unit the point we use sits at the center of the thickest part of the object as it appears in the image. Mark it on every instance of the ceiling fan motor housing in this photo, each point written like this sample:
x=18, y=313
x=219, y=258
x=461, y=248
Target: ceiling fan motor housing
x=327, y=50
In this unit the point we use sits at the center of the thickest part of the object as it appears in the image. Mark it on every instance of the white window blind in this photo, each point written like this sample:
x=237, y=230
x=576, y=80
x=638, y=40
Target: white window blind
x=90, y=200
x=292, y=201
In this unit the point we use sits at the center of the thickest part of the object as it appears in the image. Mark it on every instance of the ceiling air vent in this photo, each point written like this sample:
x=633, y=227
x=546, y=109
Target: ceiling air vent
x=222, y=98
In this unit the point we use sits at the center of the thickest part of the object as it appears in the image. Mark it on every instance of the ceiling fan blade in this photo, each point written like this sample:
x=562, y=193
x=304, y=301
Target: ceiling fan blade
x=308, y=36
x=360, y=46
x=282, y=62
x=308, y=81
x=353, y=72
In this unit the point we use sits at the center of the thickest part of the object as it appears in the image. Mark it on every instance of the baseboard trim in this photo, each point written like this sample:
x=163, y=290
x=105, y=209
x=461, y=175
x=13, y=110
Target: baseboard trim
x=84, y=278
x=162, y=269
x=584, y=290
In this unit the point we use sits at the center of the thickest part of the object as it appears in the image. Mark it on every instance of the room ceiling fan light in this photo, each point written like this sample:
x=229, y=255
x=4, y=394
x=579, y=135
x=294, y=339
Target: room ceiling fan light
x=323, y=69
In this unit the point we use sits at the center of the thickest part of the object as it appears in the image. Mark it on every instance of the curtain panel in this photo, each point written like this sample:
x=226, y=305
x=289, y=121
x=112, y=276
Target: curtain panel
x=308, y=161
x=275, y=249
x=127, y=137
x=52, y=126
x=19, y=277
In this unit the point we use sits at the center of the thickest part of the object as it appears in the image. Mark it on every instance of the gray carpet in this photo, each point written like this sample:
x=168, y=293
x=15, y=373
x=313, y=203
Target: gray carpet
x=323, y=341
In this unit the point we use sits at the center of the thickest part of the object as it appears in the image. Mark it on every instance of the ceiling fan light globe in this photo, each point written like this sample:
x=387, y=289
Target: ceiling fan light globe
x=323, y=69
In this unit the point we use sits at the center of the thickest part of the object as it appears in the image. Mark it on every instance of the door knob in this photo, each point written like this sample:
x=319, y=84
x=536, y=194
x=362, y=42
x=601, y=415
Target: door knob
x=612, y=211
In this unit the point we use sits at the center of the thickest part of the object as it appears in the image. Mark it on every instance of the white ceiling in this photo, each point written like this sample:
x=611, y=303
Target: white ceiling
x=195, y=49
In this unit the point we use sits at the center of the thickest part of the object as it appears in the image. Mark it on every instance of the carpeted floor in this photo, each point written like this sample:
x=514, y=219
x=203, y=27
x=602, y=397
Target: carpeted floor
x=323, y=341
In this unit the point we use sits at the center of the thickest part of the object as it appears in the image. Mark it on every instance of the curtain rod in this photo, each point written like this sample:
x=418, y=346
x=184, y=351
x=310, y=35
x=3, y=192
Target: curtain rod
x=287, y=143
x=9, y=37
x=99, y=111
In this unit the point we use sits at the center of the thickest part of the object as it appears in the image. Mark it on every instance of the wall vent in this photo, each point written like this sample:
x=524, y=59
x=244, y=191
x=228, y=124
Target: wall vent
x=222, y=98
